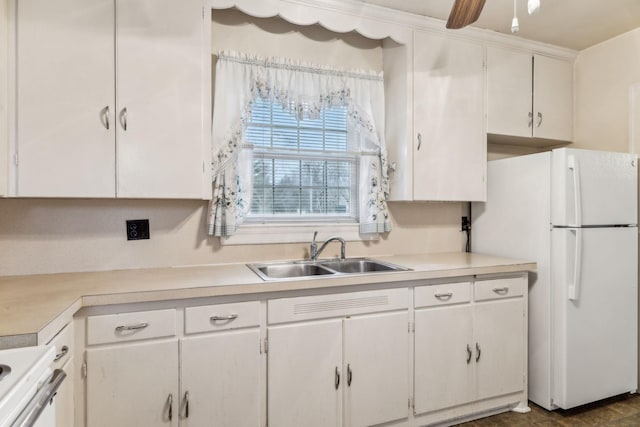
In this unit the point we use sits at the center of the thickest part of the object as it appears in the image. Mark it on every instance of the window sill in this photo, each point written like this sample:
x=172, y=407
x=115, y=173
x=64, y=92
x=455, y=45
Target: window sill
x=255, y=234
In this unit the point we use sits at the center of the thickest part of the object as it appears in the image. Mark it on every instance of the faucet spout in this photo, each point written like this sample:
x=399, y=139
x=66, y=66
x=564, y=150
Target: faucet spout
x=315, y=252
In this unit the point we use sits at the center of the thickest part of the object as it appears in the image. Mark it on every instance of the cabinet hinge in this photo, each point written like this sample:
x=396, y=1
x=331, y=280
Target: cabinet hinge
x=83, y=370
x=266, y=345
x=15, y=159
x=412, y=327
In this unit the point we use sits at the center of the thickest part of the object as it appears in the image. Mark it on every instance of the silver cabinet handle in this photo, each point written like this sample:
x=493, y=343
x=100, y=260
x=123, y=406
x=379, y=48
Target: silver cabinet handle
x=468, y=354
x=336, y=380
x=349, y=375
x=131, y=327
x=539, y=119
x=186, y=404
x=170, y=403
x=220, y=318
x=419, y=141
x=478, y=352
x=105, y=114
x=123, y=118
x=501, y=291
x=63, y=352
x=444, y=295
x=530, y=119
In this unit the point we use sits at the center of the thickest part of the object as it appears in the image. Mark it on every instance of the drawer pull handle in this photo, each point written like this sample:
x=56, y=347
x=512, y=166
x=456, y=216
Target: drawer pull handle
x=478, y=352
x=444, y=295
x=501, y=291
x=224, y=318
x=131, y=327
x=336, y=379
x=63, y=352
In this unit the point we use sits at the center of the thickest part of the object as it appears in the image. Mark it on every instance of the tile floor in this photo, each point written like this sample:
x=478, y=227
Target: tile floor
x=620, y=411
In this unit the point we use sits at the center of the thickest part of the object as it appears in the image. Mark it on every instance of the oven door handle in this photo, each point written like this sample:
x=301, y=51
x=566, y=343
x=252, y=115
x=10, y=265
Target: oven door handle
x=39, y=402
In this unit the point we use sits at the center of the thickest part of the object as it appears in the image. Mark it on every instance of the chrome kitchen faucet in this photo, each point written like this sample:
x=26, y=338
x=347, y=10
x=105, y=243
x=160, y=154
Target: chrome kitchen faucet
x=315, y=252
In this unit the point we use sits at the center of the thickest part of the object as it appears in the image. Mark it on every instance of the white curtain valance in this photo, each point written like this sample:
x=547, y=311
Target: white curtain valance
x=304, y=90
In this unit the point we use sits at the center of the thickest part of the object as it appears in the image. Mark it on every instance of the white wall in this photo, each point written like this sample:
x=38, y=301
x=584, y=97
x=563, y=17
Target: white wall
x=604, y=74
x=60, y=235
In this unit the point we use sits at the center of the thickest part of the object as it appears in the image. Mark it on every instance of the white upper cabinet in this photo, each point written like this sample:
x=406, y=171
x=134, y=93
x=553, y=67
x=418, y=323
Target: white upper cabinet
x=552, y=98
x=448, y=141
x=65, y=139
x=529, y=96
x=111, y=99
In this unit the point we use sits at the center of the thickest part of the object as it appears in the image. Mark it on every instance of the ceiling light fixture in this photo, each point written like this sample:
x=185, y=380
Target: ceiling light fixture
x=514, y=23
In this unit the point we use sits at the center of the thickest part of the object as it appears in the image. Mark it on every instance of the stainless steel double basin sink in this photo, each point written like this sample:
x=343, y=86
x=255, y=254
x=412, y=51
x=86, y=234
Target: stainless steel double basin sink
x=321, y=268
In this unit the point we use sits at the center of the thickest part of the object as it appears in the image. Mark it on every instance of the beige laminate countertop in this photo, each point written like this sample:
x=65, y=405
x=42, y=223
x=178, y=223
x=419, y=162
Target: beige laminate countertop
x=34, y=308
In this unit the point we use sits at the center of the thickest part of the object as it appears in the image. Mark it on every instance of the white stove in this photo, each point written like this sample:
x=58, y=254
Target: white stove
x=27, y=386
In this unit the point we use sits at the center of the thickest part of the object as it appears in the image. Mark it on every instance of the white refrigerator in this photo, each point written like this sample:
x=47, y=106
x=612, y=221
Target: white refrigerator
x=574, y=212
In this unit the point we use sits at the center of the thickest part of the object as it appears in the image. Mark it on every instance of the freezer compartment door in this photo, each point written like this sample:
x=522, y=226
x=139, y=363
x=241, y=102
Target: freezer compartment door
x=594, y=299
x=593, y=188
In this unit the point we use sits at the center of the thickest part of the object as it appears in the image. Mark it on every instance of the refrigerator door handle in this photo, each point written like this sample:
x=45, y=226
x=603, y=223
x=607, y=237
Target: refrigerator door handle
x=573, y=165
x=574, y=287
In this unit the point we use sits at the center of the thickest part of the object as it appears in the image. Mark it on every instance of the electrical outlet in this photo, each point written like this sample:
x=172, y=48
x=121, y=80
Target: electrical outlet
x=138, y=229
x=465, y=225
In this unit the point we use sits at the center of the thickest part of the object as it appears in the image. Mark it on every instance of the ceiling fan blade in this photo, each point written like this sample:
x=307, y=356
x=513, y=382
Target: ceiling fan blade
x=464, y=12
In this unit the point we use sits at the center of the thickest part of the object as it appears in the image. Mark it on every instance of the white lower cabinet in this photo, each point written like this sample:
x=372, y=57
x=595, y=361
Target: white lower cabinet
x=451, y=351
x=470, y=347
x=220, y=379
x=133, y=385
x=305, y=372
x=351, y=369
x=443, y=355
x=149, y=374
x=377, y=358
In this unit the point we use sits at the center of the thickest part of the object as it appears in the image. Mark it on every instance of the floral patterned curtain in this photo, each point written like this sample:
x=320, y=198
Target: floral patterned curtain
x=305, y=90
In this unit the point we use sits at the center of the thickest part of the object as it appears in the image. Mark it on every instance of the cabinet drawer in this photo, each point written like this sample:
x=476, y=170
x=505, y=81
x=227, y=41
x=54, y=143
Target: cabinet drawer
x=336, y=305
x=124, y=327
x=448, y=293
x=64, y=346
x=500, y=288
x=219, y=317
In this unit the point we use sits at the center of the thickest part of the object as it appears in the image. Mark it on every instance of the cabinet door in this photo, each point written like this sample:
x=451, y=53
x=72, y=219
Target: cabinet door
x=443, y=370
x=160, y=97
x=133, y=385
x=509, y=92
x=499, y=336
x=305, y=377
x=221, y=373
x=376, y=357
x=553, y=98
x=65, y=77
x=449, y=156
x=64, y=397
